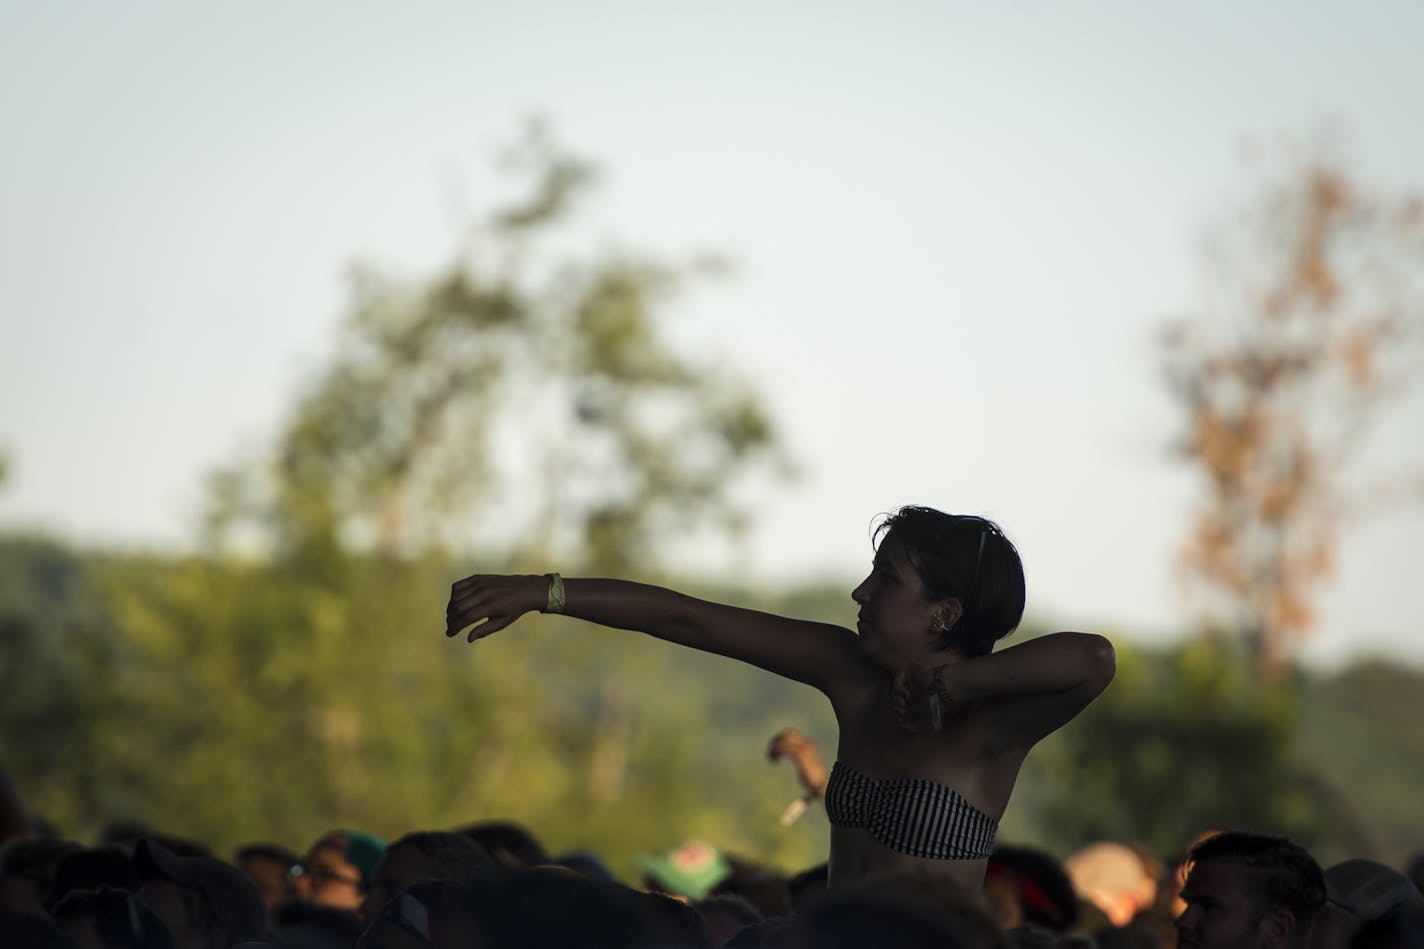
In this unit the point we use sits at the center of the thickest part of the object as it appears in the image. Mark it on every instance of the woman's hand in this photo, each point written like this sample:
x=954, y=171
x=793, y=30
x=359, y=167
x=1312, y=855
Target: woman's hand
x=920, y=699
x=497, y=600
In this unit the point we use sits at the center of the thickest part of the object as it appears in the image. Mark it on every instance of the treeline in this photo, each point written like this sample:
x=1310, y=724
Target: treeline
x=233, y=701
x=524, y=397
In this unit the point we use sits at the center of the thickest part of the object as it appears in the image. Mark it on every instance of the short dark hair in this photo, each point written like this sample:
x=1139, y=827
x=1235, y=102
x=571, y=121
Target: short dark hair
x=94, y=869
x=550, y=908
x=962, y=556
x=1284, y=875
x=510, y=843
x=1043, y=887
x=35, y=858
x=266, y=851
x=450, y=856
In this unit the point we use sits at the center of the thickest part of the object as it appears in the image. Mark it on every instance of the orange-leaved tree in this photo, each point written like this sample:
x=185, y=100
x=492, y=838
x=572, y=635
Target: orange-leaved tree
x=1312, y=324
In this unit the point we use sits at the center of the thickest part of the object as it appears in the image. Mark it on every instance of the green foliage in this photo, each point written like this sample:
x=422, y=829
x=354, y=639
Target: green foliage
x=1181, y=741
x=525, y=397
x=234, y=701
x=523, y=402
x=1357, y=731
x=231, y=702
x=58, y=651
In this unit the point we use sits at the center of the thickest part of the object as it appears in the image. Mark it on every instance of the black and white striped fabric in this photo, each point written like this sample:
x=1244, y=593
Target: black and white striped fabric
x=915, y=816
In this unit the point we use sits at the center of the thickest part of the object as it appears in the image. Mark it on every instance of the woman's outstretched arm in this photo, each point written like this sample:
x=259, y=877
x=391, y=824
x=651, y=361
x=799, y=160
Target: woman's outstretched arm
x=817, y=654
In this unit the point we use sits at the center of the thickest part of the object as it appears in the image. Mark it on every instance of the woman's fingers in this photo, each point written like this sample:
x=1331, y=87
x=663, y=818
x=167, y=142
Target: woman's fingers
x=466, y=583
x=478, y=626
x=486, y=603
x=461, y=612
x=471, y=600
x=491, y=625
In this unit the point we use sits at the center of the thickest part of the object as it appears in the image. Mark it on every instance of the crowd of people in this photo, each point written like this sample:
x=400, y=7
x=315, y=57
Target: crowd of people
x=934, y=726
x=492, y=885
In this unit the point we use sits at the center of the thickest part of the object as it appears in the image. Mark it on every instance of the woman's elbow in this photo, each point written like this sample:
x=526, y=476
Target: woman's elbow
x=1099, y=661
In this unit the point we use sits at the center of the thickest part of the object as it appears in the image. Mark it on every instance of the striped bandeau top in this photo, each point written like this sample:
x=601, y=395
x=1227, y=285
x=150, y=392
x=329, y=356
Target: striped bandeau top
x=915, y=816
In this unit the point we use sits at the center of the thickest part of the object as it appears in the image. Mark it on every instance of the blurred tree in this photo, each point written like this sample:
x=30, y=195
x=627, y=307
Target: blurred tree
x=1183, y=740
x=524, y=397
x=1314, y=322
x=55, y=674
x=1358, y=731
x=228, y=702
x=525, y=402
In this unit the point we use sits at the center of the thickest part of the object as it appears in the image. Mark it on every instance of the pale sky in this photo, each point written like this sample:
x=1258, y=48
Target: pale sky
x=958, y=228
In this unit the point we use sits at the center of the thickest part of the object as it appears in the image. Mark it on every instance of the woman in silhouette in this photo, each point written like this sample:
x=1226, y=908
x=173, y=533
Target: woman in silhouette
x=934, y=725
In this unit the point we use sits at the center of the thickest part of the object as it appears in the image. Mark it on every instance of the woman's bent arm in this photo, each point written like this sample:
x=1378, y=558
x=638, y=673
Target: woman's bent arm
x=1058, y=662
x=817, y=654
x=1035, y=687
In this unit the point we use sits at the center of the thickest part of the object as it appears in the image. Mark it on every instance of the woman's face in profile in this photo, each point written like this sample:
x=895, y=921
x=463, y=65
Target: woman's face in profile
x=895, y=617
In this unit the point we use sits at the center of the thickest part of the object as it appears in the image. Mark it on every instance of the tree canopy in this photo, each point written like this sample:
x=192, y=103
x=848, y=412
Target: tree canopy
x=1313, y=323
x=523, y=400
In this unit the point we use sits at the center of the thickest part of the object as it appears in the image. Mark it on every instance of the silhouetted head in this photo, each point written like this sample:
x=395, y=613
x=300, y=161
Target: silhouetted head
x=422, y=856
x=202, y=900
x=960, y=558
x=93, y=869
x=110, y=917
x=512, y=844
x=888, y=917
x=532, y=909
x=270, y=867
x=27, y=869
x=338, y=867
x=1250, y=890
x=20, y=930
x=1036, y=883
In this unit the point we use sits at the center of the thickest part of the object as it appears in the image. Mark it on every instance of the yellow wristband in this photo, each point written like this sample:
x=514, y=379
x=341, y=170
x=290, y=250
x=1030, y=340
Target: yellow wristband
x=555, y=602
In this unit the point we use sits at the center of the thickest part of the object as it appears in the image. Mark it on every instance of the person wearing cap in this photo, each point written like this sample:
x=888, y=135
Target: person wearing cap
x=934, y=724
x=338, y=869
x=420, y=856
x=431, y=914
x=1358, y=892
x=110, y=918
x=204, y=902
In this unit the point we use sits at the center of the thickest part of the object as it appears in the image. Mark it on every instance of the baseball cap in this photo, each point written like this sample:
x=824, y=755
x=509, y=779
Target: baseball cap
x=1368, y=889
x=236, y=902
x=362, y=849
